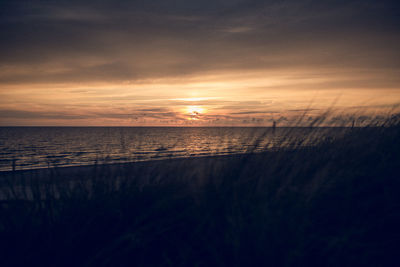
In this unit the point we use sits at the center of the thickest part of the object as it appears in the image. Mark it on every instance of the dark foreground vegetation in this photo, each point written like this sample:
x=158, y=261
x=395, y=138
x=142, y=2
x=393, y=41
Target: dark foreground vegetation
x=335, y=204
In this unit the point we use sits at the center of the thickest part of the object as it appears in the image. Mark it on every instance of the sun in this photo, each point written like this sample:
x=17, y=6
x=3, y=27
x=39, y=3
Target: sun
x=195, y=110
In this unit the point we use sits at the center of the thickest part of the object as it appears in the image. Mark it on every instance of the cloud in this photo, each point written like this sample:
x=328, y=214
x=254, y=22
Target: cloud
x=27, y=115
x=120, y=40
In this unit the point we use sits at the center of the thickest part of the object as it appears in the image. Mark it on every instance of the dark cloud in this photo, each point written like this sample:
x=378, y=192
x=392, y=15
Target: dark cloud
x=85, y=41
x=66, y=115
x=253, y=112
x=27, y=115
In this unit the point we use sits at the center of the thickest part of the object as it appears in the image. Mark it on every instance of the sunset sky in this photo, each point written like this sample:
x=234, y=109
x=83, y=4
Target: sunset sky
x=195, y=63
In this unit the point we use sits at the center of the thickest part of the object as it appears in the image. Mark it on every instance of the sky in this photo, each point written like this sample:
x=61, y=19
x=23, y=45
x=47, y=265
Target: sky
x=196, y=63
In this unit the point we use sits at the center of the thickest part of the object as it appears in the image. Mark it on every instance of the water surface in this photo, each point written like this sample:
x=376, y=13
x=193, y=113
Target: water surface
x=38, y=147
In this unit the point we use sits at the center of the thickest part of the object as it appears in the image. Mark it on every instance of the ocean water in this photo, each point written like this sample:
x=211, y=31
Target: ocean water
x=41, y=147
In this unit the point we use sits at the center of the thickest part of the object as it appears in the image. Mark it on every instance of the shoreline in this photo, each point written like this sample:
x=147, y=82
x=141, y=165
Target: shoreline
x=158, y=165
x=122, y=163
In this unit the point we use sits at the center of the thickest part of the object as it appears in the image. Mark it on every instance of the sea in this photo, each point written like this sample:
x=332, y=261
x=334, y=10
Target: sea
x=23, y=148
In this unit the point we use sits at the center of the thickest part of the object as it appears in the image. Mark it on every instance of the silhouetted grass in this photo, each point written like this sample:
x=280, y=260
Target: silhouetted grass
x=336, y=203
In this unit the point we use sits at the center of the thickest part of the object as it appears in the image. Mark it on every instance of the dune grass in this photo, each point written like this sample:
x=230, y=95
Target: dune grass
x=336, y=203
